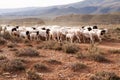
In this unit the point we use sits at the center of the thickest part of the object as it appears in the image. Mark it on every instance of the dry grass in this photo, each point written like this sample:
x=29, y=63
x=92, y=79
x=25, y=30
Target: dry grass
x=32, y=75
x=2, y=41
x=11, y=45
x=70, y=48
x=98, y=58
x=14, y=49
x=105, y=76
x=11, y=38
x=3, y=57
x=13, y=66
x=81, y=55
x=28, y=52
x=76, y=67
x=115, y=51
x=53, y=62
x=93, y=53
x=41, y=68
x=65, y=47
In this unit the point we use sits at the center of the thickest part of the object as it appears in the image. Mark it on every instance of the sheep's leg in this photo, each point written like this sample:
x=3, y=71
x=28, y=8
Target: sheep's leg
x=78, y=39
x=83, y=39
x=71, y=40
x=91, y=40
x=100, y=39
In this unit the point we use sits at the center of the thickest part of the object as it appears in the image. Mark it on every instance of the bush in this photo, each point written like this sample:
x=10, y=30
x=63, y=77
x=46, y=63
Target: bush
x=2, y=41
x=52, y=61
x=57, y=46
x=13, y=66
x=11, y=45
x=14, y=49
x=3, y=57
x=1, y=50
x=70, y=48
x=115, y=51
x=51, y=45
x=7, y=36
x=28, y=44
x=31, y=75
x=76, y=67
x=41, y=68
x=98, y=58
x=48, y=44
x=95, y=54
x=105, y=76
x=27, y=52
x=80, y=55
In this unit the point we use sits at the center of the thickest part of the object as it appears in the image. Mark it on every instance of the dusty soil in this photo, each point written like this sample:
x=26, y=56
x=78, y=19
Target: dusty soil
x=63, y=71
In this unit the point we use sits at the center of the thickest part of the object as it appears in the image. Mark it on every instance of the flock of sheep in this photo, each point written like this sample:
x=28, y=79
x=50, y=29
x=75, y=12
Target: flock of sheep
x=56, y=33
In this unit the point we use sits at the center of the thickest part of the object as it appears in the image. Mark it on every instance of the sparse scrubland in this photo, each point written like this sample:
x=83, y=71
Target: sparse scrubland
x=51, y=60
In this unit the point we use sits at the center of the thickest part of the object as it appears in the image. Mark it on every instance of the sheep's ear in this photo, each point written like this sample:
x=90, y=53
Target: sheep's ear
x=83, y=26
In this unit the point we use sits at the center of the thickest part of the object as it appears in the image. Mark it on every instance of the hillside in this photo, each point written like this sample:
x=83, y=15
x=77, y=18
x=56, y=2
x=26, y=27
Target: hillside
x=23, y=21
x=89, y=19
x=82, y=7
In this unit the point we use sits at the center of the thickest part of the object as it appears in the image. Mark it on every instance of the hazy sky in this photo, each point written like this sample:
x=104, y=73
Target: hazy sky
x=33, y=3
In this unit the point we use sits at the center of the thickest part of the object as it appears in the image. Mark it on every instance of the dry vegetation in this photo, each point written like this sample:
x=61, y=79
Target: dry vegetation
x=49, y=60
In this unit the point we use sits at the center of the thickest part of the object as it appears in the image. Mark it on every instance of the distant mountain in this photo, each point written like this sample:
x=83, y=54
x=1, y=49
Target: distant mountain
x=73, y=19
x=83, y=7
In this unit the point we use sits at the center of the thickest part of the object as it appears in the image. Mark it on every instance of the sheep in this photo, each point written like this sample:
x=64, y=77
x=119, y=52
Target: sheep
x=87, y=33
x=92, y=27
x=70, y=36
x=44, y=34
x=56, y=33
x=99, y=33
x=24, y=34
x=34, y=36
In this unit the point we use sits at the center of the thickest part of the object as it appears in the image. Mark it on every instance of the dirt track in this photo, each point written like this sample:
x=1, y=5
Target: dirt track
x=106, y=45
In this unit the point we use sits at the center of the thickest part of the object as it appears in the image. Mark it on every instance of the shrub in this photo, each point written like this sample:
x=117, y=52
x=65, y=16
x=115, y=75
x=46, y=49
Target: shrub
x=105, y=76
x=51, y=45
x=17, y=39
x=14, y=49
x=98, y=58
x=52, y=61
x=21, y=60
x=48, y=44
x=13, y=66
x=115, y=51
x=11, y=45
x=7, y=36
x=28, y=44
x=57, y=46
x=39, y=47
x=2, y=41
x=95, y=54
x=31, y=75
x=93, y=49
x=78, y=67
x=41, y=68
x=27, y=52
x=3, y=57
x=70, y=48
x=1, y=50
x=117, y=29
x=80, y=55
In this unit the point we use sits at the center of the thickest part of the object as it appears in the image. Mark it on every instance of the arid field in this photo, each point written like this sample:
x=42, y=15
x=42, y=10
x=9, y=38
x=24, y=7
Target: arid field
x=22, y=59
